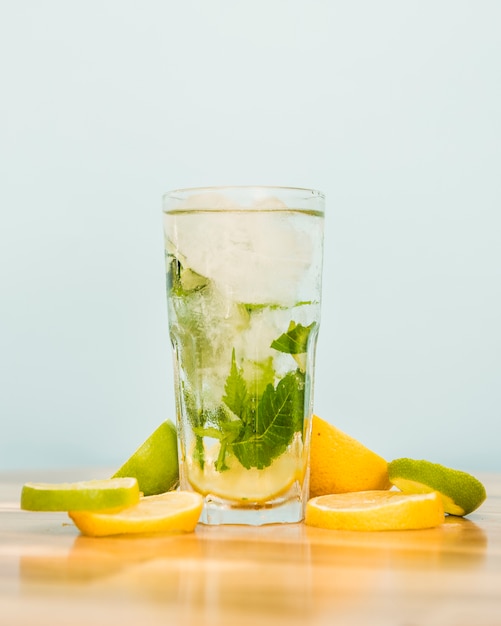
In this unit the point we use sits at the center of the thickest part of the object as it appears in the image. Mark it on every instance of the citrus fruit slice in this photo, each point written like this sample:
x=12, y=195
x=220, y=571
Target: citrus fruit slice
x=375, y=510
x=90, y=495
x=461, y=493
x=341, y=464
x=241, y=484
x=174, y=511
x=154, y=464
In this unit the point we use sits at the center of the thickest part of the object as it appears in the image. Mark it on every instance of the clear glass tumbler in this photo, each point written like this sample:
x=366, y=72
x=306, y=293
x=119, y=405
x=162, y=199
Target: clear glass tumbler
x=244, y=268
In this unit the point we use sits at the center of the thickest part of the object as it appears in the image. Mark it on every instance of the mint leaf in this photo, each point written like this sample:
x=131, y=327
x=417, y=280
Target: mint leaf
x=277, y=417
x=235, y=389
x=295, y=340
x=199, y=452
x=210, y=431
x=227, y=433
x=196, y=417
x=257, y=421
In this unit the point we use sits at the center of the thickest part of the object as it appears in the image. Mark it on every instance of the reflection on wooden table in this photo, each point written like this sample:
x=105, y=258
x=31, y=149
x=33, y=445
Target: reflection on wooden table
x=289, y=574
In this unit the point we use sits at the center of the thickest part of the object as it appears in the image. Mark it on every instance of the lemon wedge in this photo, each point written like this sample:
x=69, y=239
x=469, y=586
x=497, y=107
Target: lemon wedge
x=341, y=464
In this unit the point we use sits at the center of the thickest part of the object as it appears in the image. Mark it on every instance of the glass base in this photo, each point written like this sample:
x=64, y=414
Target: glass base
x=280, y=511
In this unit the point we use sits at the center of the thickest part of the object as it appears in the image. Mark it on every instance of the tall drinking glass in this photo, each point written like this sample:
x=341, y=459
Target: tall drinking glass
x=244, y=271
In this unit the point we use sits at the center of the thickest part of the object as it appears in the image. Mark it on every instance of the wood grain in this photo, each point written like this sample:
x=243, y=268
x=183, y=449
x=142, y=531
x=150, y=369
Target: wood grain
x=280, y=574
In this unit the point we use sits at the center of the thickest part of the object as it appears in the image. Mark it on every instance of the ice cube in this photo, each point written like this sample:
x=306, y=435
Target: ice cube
x=252, y=256
x=268, y=202
x=258, y=255
x=207, y=200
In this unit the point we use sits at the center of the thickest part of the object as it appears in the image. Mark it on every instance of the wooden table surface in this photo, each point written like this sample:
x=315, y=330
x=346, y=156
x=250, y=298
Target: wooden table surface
x=239, y=576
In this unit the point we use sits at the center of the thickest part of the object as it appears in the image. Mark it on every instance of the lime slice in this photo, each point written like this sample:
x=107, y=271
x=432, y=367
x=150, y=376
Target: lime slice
x=461, y=493
x=375, y=510
x=173, y=512
x=90, y=495
x=155, y=464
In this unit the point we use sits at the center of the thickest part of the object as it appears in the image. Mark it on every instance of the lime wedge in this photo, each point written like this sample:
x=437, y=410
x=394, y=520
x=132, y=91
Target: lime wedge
x=154, y=464
x=461, y=493
x=90, y=495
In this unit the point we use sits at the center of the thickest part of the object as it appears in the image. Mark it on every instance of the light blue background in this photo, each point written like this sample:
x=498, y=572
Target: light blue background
x=393, y=109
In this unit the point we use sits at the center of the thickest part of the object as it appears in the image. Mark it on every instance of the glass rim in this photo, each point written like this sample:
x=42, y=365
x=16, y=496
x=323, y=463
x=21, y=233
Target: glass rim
x=184, y=190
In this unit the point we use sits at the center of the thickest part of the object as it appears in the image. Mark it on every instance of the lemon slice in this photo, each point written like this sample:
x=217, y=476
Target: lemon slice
x=461, y=493
x=174, y=511
x=90, y=495
x=244, y=485
x=341, y=464
x=154, y=463
x=375, y=510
